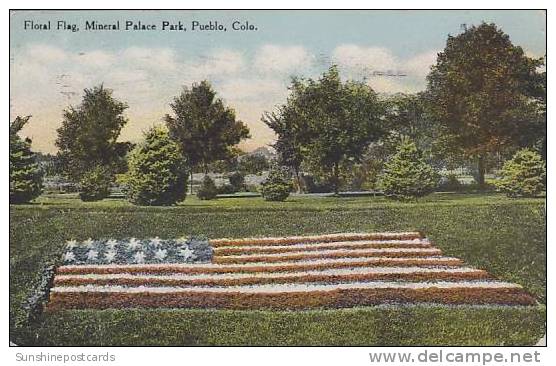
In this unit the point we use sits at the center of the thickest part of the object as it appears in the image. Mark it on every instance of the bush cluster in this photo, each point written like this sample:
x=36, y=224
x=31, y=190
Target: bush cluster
x=237, y=181
x=33, y=305
x=406, y=175
x=277, y=186
x=25, y=174
x=208, y=190
x=449, y=183
x=157, y=175
x=524, y=175
x=95, y=184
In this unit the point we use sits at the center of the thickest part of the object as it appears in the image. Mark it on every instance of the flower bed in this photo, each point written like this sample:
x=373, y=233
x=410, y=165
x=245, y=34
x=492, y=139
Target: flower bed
x=330, y=271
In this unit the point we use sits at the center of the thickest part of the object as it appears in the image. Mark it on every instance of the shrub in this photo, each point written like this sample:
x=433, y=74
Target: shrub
x=225, y=189
x=33, y=305
x=449, y=183
x=277, y=186
x=237, y=181
x=313, y=185
x=157, y=175
x=406, y=175
x=25, y=174
x=95, y=184
x=524, y=175
x=208, y=190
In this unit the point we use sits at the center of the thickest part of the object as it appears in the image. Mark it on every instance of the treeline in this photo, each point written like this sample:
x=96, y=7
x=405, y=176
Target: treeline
x=485, y=101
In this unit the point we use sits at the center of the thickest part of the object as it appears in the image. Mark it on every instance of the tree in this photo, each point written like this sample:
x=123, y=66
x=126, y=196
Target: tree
x=208, y=190
x=25, y=173
x=485, y=92
x=327, y=121
x=406, y=114
x=276, y=186
x=523, y=175
x=407, y=175
x=157, y=174
x=95, y=184
x=253, y=163
x=204, y=127
x=87, y=137
x=237, y=181
x=291, y=134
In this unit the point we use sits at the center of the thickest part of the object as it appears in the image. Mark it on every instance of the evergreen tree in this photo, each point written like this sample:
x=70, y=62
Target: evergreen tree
x=25, y=174
x=157, y=174
x=523, y=175
x=95, y=184
x=208, y=190
x=277, y=186
x=406, y=175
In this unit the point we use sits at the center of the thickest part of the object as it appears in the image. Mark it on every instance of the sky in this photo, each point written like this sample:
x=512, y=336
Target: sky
x=249, y=69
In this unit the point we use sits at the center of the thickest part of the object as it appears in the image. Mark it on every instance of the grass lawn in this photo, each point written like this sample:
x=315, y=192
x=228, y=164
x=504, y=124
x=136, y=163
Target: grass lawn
x=504, y=236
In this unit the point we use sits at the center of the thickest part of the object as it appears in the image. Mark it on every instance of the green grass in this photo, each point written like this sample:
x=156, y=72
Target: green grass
x=504, y=236
x=385, y=326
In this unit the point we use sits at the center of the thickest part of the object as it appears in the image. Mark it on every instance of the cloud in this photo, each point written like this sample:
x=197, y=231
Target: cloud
x=47, y=79
x=419, y=65
x=47, y=53
x=95, y=59
x=159, y=59
x=252, y=89
x=274, y=58
x=219, y=62
x=359, y=62
x=353, y=57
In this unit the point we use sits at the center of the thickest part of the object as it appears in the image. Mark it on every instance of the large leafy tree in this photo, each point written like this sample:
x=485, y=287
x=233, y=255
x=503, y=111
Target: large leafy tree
x=291, y=137
x=87, y=137
x=334, y=122
x=485, y=92
x=25, y=173
x=409, y=116
x=205, y=128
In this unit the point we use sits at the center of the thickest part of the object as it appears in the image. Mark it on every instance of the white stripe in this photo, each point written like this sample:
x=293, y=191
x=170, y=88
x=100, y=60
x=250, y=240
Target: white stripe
x=339, y=244
x=323, y=261
x=226, y=276
x=288, y=288
x=318, y=237
x=385, y=251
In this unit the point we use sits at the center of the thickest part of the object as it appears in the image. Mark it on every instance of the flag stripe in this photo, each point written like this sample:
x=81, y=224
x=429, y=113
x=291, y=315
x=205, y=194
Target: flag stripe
x=231, y=279
x=332, y=253
x=359, y=244
x=315, y=238
x=305, y=265
x=334, y=296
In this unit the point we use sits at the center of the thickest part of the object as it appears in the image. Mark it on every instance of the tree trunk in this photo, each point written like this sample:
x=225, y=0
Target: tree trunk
x=336, y=172
x=191, y=183
x=298, y=180
x=481, y=172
